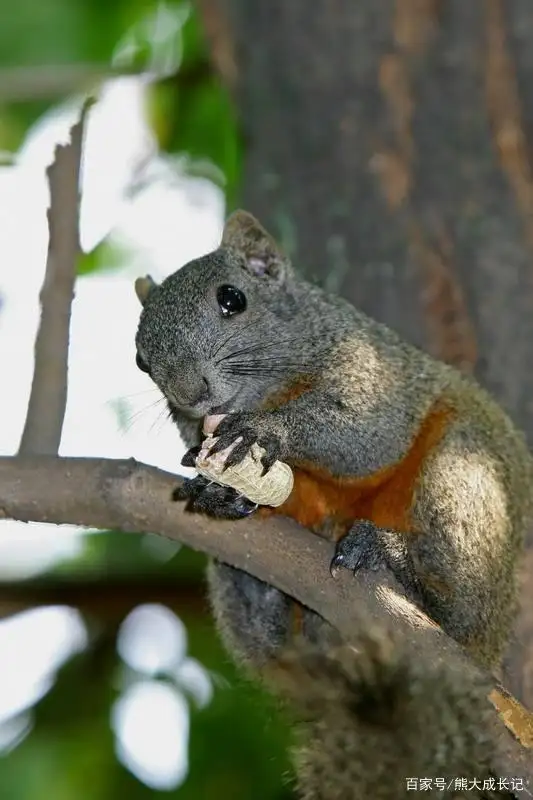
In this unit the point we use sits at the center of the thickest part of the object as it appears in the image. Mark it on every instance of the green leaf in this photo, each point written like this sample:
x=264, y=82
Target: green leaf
x=58, y=32
x=53, y=49
x=15, y=121
x=193, y=39
x=193, y=116
x=105, y=257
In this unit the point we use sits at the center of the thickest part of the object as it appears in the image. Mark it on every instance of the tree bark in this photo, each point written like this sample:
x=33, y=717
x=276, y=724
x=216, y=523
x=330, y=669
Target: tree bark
x=128, y=496
x=388, y=147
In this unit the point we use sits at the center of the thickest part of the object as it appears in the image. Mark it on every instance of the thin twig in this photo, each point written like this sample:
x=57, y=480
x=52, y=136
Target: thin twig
x=127, y=496
x=48, y=397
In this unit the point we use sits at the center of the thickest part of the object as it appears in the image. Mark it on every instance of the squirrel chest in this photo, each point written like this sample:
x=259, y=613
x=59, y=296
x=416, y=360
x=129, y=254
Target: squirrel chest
x=319, y=499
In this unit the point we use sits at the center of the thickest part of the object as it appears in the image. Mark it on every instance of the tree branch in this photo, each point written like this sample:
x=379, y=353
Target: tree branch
x=50, y=81
x=48, y=397
x=129, y=496
x=109, y=599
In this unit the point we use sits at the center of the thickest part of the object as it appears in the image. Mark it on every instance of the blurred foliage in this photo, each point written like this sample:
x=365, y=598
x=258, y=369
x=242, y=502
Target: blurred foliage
x=102, y=258
x=238, y=742
x=70, y=752
x=191, y=114
x=54, y=49
x=50, y=52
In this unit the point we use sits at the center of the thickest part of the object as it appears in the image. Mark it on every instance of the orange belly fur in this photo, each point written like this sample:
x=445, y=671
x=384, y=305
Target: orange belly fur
x=384, y=497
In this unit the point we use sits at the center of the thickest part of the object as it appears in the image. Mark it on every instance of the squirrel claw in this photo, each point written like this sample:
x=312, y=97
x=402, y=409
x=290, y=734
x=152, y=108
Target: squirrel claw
x=245, y=506
x=249, y=429
x=360, y=548
x=337, y=563
x=210, y=498
x=189, y=459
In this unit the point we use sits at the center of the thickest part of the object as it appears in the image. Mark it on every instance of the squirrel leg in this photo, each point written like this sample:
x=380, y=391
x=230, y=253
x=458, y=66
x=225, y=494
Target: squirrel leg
x=254, y=619
x=367, y=546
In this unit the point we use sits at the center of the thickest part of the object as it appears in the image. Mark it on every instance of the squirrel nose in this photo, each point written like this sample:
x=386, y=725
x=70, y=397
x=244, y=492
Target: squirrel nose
x=202, y=390
x=192, y=391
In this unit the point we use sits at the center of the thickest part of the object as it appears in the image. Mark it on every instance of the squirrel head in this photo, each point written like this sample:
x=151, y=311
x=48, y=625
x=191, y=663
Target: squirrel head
x=214, y=336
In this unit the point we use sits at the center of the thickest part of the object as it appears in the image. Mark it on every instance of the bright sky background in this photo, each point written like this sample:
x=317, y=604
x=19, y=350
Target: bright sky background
x=162, y=227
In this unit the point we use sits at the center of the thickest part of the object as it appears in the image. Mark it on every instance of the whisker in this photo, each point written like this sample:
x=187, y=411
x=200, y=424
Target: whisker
x=266, y=371
x=258, y=347
x=232, y=335
x=276, y=359
x=272, y=361
x=162, y=416
x=271, y=364
x=138, y=394
x=135, y=417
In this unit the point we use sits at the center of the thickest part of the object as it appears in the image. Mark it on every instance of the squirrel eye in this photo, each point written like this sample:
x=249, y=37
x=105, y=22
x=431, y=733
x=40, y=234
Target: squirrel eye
x=143, y=366
x=231, y=300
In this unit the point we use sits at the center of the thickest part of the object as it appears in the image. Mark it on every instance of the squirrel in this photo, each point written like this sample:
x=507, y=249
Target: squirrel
x=398, y=458
x=372, y=721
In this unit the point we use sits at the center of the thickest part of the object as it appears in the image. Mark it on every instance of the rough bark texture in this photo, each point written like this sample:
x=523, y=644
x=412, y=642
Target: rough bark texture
x=388, y=145
x=128, y=496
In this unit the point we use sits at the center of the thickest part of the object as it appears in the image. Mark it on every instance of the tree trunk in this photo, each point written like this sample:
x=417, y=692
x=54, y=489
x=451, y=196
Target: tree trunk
x=387, y=146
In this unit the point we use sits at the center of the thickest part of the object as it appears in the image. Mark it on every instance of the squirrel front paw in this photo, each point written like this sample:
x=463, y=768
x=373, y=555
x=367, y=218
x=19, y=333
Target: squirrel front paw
x=250, y=428
x=205, y=497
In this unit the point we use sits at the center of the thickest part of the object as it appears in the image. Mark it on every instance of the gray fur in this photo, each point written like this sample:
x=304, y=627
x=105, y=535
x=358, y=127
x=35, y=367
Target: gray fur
x=370, y=394
x=374, y=718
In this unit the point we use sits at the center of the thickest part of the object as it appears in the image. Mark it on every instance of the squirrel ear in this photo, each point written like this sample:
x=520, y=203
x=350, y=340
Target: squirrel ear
x=143, y=287
x=244, y=234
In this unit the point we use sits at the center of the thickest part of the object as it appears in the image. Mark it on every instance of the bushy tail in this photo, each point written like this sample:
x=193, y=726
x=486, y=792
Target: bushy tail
x=381, y=721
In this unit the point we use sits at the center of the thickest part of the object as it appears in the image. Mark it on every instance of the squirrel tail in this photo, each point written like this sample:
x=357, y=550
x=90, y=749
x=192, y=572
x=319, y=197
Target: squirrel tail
x=377, y=720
